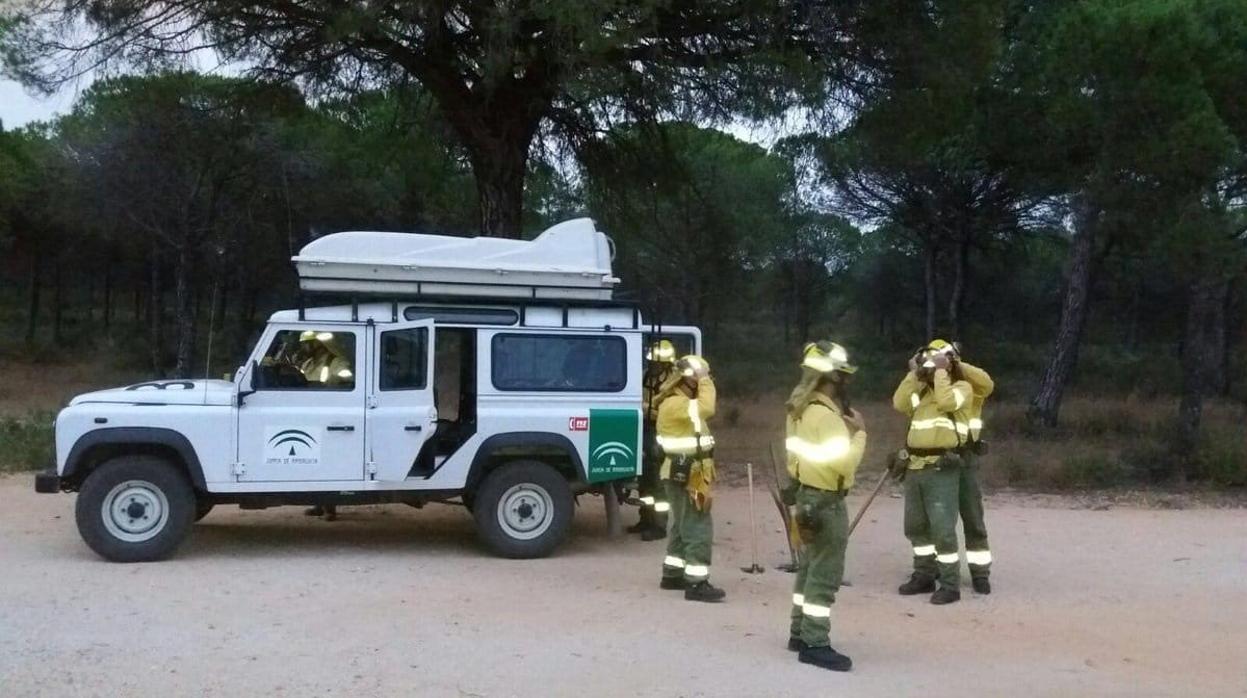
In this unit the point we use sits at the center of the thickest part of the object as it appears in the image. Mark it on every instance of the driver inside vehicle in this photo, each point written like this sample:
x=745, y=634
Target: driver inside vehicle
x=322, y=360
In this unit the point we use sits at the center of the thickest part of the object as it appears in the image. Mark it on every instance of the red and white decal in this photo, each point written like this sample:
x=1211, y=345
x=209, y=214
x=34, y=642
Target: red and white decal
x=578, y=424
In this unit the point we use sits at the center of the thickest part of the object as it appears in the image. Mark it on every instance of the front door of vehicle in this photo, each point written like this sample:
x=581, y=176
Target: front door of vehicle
x=305, y=420
x=401, y=408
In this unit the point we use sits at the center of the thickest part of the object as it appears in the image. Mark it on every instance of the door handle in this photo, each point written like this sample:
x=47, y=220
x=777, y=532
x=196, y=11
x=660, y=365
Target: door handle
x=336, y=427
x=412, y=427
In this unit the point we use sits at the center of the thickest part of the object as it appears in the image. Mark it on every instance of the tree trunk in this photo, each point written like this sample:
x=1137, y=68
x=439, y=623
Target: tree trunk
x=956, y=298
x=183, y=308
x=499, y=173
x=32, y=313
x=58, y=304
x=1045, y=405
x=108, y=296
x=154, y=311
x=928, y=280
x=1202, y=342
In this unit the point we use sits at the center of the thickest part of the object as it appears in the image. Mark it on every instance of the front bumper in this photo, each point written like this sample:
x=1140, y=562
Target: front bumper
x=47, y=482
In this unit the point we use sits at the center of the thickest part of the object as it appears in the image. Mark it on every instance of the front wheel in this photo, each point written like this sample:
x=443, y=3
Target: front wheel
x=202, y=509
x=135, y=509
x=523, y=510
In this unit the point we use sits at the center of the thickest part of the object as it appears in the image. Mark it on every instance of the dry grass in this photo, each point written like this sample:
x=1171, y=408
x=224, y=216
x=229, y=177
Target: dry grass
x=1102, y=442
x=27, y=387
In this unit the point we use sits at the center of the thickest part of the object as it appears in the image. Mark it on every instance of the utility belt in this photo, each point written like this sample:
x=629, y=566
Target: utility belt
x=840, y=493
x=945, y=458
x=682, y=464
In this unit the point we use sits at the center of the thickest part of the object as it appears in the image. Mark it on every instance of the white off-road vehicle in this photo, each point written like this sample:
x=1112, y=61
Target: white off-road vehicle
x=493, y=373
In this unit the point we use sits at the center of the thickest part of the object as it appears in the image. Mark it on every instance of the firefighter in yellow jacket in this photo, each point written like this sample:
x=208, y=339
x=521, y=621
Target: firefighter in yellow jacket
x=970, y=497
x=685, y=403
x=660, y=358
x=936, y=399
x=825, y=442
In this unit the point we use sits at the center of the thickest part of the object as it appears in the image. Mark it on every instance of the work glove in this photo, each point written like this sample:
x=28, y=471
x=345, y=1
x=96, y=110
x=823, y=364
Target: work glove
x=699, y=480
x=898, y=467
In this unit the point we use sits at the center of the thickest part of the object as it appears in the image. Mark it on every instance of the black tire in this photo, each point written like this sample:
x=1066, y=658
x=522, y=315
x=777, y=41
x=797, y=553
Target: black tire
x=202, y=508
x=537, y=486
x=143, y=481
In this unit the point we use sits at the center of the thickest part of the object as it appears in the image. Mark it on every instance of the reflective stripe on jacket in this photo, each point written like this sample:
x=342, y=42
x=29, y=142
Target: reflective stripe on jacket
x=937, y=416
x=983, y=385
x=821, y=453
x=682, y=424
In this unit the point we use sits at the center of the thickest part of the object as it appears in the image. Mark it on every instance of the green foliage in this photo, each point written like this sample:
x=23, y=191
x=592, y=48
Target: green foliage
x=27, y=442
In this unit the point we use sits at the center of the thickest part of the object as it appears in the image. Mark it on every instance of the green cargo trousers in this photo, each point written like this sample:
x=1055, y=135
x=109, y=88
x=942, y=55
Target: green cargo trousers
x=689, y=538
x=978, y=552
x=824, y=524
x=931, y=508
x=653, y=493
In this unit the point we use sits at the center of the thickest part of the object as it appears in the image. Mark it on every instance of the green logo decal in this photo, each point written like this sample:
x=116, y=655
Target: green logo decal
x=613, y=447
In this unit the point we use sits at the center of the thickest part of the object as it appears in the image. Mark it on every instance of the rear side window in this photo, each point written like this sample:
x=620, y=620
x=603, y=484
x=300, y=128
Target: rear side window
x=404, y=359
x=559, y=363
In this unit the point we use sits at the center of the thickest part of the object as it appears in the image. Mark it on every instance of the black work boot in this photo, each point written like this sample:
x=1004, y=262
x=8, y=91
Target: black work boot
x=825, y=657
x=673, y=584
x=796, y=644
x=703, y=591
x=642, y=523
x=317, y=510
x=917, y=584
x=944, y=596
x=653, y=532
x=981, y=585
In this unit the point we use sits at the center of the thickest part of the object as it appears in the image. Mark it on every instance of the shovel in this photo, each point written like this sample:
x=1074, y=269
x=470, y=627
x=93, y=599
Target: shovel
x=754, y=568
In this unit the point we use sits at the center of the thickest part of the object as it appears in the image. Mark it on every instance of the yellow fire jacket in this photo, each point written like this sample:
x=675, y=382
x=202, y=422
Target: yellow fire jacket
x=983, y=386
x=682, y=425
x=937, y=414
x=821, y=453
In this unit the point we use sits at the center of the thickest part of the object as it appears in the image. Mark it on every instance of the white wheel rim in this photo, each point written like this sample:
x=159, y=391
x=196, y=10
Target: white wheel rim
x=135, y=511
x=525, y=511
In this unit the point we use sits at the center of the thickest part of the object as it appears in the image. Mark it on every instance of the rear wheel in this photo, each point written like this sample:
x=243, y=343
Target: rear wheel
x=523, y=510
x=135, y=509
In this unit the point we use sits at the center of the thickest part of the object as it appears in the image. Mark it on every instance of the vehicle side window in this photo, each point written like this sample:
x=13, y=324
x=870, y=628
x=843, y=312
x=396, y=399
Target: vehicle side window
x=559, y=363
x=684, y=343
x=404, y=359
x=309, y=360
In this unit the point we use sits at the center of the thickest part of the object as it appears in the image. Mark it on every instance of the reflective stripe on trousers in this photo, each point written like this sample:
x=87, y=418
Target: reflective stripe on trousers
x=697, y=571
x=979, y=557
x=816, y=611
x=672, y=561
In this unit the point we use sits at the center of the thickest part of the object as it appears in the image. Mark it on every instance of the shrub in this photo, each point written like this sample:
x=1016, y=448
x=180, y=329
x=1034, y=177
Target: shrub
x=1223, y=456
x=1090, y=470
x=26, y=443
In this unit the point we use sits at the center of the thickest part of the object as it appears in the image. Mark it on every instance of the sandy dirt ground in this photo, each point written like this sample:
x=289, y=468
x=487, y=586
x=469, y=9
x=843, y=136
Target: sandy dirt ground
x=390, y=601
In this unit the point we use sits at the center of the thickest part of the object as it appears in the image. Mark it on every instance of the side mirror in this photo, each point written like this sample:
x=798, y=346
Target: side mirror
x=255, y=381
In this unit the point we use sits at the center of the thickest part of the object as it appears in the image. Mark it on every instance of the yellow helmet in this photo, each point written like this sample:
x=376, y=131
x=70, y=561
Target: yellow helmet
x=939, y=346
x=826, y=357
x=689, y=366
x=662, y=351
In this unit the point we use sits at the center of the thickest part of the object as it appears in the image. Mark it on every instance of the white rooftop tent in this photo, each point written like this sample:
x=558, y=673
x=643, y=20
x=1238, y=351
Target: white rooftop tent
x=571, y=260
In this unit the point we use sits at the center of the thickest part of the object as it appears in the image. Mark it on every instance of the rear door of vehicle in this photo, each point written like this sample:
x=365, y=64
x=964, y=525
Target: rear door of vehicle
x=401, y=414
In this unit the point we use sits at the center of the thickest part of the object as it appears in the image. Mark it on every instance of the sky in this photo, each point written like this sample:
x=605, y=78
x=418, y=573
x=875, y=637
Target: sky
x=17, y=108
